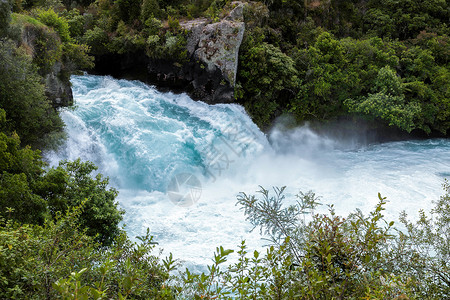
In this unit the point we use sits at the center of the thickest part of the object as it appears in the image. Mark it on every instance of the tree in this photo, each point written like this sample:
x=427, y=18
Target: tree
x=267, y=77
x=28, y=111
x=5, y=16
x=388, y=102
x=70, y=185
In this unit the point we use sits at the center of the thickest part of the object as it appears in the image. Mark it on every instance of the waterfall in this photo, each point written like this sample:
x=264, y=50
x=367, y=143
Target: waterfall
x=179, y=164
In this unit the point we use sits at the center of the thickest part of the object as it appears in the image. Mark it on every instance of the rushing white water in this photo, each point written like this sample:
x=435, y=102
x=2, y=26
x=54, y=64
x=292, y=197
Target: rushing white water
x=143, y=140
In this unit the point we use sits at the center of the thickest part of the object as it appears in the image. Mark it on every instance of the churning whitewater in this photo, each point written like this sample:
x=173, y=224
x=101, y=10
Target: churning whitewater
x=179, y=164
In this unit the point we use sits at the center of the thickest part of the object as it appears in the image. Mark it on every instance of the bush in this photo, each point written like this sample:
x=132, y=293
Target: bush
x=58, y=260
x=149, y=9
x=427, y=244
x=33, y=257
x=71, y=184
x=97, y=39
x=59, y=24
x=324, y=256
x=76, y=23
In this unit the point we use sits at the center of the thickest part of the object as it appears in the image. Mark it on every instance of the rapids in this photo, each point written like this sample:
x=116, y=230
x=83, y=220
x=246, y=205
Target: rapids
x=179, y=164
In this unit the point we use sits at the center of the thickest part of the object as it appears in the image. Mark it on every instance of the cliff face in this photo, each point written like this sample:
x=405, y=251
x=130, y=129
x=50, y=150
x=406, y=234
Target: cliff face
x=213, y=48
x=58, y=90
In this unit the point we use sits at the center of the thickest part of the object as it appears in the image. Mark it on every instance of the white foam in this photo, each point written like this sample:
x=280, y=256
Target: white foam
x=133, y=132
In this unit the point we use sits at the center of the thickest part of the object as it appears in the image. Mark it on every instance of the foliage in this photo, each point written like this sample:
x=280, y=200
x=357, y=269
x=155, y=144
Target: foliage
x=150, y=9
x=29, y=112
x=215, y=8
x=29, y=194
x=152, y=26
x=324, y=256
x=100, y=215
x=59, y=24
x=5, y=16
x=125, y=270
x=388, y=102
x=96, y=38
x=59, y=259
x=76, y=23
x=47, y=48
x=76, y=56
x=33, y=257
x=428, y=245
x=169, y=46
x=128, y=10
x=404, y=18
x=125, y=40
x=266, y=74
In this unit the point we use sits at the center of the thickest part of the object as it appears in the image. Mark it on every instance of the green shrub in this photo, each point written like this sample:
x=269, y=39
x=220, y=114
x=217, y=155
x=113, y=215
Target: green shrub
x=58, y=260
x=76, y=57
x=149, y=9
x=76, y=23
x=152, y=26
x=59, y=24
x=71, y=184
x=427, y=243
x=97, y=39
x=33, y=257
x=174, y=24
x=128, y=10
x=267, y=77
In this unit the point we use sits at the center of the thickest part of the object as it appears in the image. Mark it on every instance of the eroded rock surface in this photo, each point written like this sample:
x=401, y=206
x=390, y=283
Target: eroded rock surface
x=217, y=44
x=213, y=50
x=58, y=90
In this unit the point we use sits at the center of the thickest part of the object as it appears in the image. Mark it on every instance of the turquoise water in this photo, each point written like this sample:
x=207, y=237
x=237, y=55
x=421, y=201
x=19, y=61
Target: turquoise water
x=179, y=164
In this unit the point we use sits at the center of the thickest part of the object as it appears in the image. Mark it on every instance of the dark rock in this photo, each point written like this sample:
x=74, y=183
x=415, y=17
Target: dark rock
x=58, y=88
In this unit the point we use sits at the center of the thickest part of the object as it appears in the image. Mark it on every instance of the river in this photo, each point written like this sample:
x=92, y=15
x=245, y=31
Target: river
x=178, y=165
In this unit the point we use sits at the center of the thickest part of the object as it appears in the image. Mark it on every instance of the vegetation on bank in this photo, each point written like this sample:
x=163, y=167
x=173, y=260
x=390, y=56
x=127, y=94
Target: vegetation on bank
x=311, y=256
x=318, y=60
x=383, y=61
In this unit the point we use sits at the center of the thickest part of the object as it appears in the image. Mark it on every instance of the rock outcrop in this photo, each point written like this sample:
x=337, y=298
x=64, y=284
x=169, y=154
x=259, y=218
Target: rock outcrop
x=58, y=90
x=213, y=49
x=218, y=43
